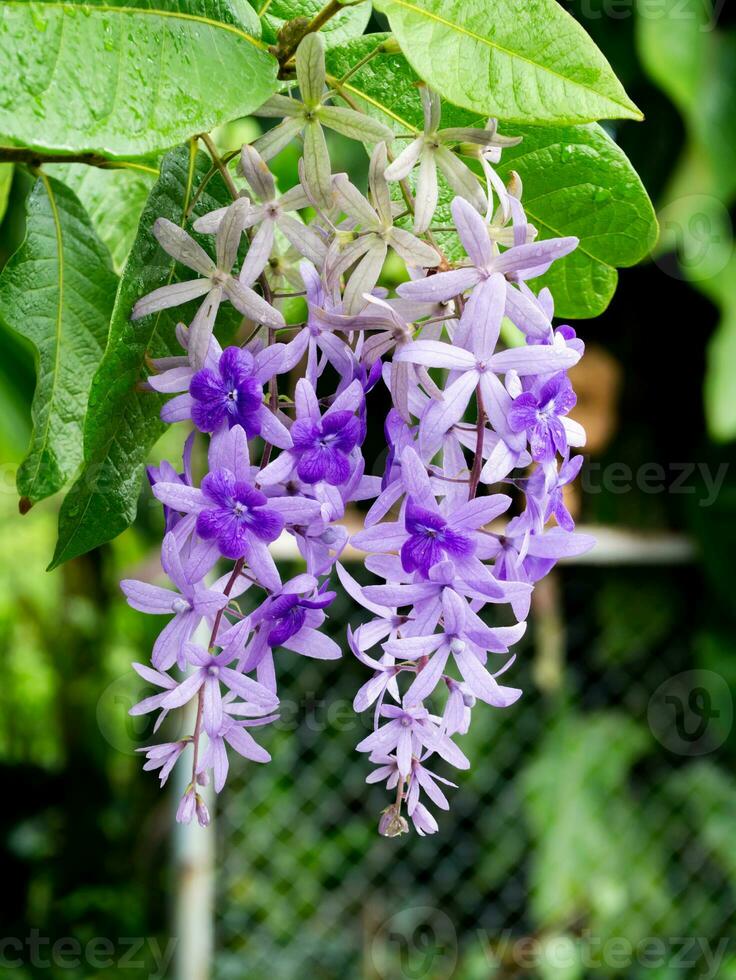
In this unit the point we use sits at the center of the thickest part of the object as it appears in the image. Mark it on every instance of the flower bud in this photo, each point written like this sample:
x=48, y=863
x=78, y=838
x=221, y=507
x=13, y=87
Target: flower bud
x=392, y=824
x=389, y=46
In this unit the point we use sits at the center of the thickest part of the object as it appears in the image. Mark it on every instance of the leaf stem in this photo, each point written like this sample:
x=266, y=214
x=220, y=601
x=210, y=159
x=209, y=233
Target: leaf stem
x=359, y=64
x=36, y=158
x=220, y=164
x=315, y=24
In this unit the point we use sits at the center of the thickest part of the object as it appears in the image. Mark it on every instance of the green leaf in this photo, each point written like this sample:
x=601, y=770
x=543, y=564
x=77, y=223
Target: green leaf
x=593, y=858
x=577, y=181
x=349, y=22
x=6, y=182
x=521, y=60
x=719, y=388
x=113, y=199
x=695, y=65
x=709, y=794
x=123, y=422
x=126, y=79
x=57, y=291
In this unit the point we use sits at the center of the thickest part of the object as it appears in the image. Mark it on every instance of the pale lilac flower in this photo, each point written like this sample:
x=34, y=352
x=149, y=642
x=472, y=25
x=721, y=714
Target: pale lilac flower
x=377, y=232
x=476, y=370
x=216, y=281
x=317, y=336
x=192, y=603
x=163, y=757
x=273, y=212
x=310, y=115
x=432, y=151
x=435, y=650
x=211, y=671
x=233, y=733
x=518, y=263
x=408, y=732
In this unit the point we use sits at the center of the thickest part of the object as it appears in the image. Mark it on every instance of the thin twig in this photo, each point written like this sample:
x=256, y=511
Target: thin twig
x=36, y=158
x=230, y=585
x=220, y=164
x=480, y=427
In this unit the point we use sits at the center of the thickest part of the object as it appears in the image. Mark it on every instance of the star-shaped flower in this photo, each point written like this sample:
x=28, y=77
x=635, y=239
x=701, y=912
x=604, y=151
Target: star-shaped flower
x=216, y=283
x=432, y=150
x=310, y=115
x=377, y=232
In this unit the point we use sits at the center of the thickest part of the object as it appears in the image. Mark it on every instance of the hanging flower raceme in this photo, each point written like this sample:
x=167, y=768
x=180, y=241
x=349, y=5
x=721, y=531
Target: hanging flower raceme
x=475, y=426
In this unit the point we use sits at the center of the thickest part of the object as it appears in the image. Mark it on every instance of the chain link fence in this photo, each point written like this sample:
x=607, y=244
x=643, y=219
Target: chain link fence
x=591, y=838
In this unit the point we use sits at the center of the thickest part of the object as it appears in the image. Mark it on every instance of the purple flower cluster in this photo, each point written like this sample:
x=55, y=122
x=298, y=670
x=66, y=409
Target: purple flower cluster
x=456, y=571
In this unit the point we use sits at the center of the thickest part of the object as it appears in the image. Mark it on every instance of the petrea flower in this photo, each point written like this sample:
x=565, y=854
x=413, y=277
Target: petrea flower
x=391, y=321
x=432, y=150
x=322, y=444
x=544, y=495
x=210, y=672
x=525, y=555
x=190, y=604
x=153, y=703
x=318, y=335
x=216, y=280
x=520, y=262
x=410, y=730
x=225, y=391
x=233, y=733
x=428, y=536
x=163, y=757
x=430, y=540
x=377, y=233
x=273, y=212
x=288, y=613
x=455, y=641
x=165, y=473
x=310, y=115
x=235, y=514
x=230, y=394
x=538, y=415
x=476, y=369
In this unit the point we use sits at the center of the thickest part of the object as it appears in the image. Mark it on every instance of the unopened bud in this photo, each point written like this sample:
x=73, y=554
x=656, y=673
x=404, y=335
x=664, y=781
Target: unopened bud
x=514, y=185
x=389, y=46
x=392, y=824
x=203, y=814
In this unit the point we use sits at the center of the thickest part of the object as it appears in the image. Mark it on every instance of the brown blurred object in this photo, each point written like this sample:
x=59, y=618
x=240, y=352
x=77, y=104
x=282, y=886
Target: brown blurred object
x=597, y=382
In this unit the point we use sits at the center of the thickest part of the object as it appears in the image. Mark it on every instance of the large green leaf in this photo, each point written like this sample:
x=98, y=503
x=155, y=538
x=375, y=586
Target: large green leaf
x=349, y=22
x=123, y=422
x=521, y=60
x=126, y=79
x=577, y=181
x=57, y=291
x=113, y=199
